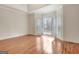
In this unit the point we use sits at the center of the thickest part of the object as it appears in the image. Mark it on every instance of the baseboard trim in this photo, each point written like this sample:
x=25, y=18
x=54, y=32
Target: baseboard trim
x=14, y=36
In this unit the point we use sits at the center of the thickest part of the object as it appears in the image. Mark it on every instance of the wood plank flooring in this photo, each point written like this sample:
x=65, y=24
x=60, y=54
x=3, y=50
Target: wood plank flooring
x=66, y=47
x=27, y=45
x=30, y=44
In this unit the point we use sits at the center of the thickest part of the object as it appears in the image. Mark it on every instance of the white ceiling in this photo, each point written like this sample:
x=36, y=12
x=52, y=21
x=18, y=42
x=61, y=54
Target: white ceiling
x=47, y=9
x=34, y=8
x=22, y=7
x=26, y=7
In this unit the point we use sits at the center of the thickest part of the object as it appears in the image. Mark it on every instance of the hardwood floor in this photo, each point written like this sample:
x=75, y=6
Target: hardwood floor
x=27, y=45
x=66, y=47
x=70, y=48
x=30, y=44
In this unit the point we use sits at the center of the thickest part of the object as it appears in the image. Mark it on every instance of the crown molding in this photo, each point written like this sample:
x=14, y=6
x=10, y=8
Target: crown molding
x=12, y=9
x=47, y=9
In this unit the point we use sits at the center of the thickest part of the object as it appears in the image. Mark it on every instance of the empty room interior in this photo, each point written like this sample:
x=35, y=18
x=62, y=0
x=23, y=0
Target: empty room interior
x=39, y=28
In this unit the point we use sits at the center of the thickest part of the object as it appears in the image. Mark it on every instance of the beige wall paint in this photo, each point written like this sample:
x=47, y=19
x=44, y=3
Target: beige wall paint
x=31, y=24
x=12, y=22
x=71, y=23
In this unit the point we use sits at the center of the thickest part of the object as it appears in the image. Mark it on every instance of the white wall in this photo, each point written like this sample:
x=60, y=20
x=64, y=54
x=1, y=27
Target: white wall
x=12, y=22
x=31, y=23
x=71, y=23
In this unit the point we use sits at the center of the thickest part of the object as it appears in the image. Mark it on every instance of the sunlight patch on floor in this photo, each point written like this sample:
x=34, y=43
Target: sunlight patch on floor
x=45, y=43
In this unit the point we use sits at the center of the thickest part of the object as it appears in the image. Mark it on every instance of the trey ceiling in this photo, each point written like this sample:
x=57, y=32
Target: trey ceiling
x=35, y=8
x=26, y=7
x=22, y=7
